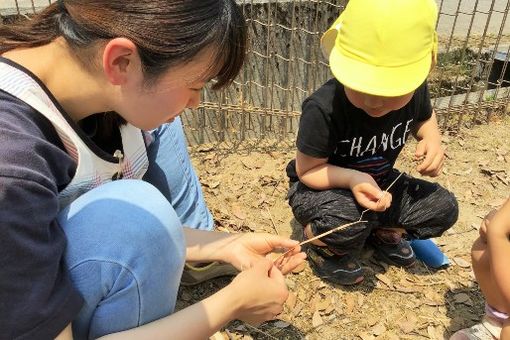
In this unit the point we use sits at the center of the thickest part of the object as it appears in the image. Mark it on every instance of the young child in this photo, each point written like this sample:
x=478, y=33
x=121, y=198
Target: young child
x=490, y=254
x=353, y=128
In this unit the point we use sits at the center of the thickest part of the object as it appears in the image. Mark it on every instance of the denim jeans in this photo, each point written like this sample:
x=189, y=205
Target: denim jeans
x=126, y=248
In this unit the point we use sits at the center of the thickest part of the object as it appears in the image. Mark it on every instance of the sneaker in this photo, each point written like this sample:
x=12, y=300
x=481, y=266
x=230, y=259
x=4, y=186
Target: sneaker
x=488, y=329
x=390, y=247
x=195, y=274
x=342, y=269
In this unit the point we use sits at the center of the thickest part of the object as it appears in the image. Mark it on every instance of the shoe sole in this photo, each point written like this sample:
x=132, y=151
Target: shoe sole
x=382, y=257
x=328, y=278
x=343, y=283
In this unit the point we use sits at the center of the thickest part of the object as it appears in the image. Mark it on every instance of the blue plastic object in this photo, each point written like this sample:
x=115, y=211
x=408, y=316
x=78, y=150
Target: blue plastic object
x=428, y=252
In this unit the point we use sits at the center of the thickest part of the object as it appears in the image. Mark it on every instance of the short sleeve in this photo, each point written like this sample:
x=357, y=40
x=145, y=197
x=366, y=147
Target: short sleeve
x=315, y=137
x=423, y=103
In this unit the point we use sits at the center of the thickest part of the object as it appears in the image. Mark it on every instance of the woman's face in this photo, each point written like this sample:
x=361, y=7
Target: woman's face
x=148, y=107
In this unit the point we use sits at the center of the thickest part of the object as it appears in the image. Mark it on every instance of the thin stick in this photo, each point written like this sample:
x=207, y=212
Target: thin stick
x=272, y=221
x=342, y=226
x=330, y=232
x=383, y=194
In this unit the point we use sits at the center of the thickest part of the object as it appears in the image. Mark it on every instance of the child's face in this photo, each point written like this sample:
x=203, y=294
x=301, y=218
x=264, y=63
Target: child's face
x=376, y=106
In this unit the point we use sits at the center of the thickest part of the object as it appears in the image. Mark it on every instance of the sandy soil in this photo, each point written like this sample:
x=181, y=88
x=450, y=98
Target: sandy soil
x=246, y=192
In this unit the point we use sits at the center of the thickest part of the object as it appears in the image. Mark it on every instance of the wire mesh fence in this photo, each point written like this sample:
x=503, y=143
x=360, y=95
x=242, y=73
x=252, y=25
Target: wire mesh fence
x=469, y=85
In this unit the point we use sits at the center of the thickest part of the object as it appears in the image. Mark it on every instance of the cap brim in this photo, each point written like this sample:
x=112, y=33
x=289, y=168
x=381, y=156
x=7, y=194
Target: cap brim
x=377, y=80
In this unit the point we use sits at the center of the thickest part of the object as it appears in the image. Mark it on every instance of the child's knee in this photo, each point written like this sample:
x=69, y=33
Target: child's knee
x=450, y=209
x=447, y=211
x=477, y=252
x=505, y=331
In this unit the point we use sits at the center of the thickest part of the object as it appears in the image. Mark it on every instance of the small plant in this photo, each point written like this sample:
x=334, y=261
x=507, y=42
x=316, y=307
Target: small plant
x=490, y=97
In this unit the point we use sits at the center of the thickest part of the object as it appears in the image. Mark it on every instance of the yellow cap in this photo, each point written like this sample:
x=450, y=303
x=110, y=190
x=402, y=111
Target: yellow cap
x=382, y=47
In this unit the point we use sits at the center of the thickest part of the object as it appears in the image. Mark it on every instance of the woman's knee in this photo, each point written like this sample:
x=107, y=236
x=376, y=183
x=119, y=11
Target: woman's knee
x=129, y=217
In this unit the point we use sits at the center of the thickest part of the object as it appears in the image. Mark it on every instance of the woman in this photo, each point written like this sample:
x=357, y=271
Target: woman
x=91, y=230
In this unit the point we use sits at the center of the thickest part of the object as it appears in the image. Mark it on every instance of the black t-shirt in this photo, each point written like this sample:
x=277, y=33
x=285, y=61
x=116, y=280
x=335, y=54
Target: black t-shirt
x=37, y=298
x=331, y=127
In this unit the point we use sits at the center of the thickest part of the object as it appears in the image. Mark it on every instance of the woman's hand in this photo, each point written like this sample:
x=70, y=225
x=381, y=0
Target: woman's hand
x=244, y=250
x=368, y=194
x=260, y=292
x=431, y=153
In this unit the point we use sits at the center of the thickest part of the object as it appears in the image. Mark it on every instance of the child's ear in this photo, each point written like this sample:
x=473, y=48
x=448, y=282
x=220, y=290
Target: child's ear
x=120, y=60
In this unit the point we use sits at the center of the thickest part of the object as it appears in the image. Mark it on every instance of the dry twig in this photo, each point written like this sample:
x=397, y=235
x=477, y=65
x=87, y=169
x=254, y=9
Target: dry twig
x=281, y=256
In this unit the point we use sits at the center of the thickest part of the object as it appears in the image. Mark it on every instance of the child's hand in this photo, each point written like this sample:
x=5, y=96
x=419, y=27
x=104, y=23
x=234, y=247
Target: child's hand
x=368, y=194
x=432, y=154
x=260, y=292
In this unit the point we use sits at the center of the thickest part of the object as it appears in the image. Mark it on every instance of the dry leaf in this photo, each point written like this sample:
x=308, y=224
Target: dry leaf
x=378, y=329
x=372, y=320
x=366, y=336
x=497, y=203
x=330, y=309
x=211, y=184
x=408, y=325
x=434, y=299
x=237, y=212
x=299, y=307
x=461, y=298
x=384, y=279
x=431, y=331
x=461, y=262
x=317, y=319
x=350, y=303
x=315, y=301
x=218, y=336
x=338, y=309
x=361, y=300
x=291, y=300
x=303, y=295
x=323, y=304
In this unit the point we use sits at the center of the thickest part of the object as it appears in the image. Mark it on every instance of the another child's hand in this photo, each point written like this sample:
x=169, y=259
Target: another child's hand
x=368, y=194
x=260, y=292
x=432, y=155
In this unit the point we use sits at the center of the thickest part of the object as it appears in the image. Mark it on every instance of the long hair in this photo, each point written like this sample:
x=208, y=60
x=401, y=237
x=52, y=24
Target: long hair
x=166, y=32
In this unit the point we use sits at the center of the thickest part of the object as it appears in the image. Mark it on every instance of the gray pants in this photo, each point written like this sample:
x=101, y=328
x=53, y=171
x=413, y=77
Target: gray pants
x=422, y=208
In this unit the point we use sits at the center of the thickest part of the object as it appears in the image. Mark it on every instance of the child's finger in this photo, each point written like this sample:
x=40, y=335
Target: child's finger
x=420, y=150
x=292, y=262
x=426, y=163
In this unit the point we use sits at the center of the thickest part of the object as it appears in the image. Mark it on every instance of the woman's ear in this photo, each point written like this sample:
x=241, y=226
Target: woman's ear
x=121, y=61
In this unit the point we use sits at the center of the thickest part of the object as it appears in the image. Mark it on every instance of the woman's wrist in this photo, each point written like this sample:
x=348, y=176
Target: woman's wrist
x=232, y=302
x=209, y=245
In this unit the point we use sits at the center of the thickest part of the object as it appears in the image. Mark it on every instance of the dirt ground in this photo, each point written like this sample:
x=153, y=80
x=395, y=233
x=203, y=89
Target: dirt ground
x=246, y=192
